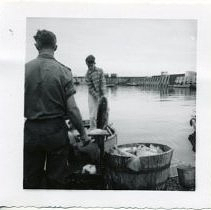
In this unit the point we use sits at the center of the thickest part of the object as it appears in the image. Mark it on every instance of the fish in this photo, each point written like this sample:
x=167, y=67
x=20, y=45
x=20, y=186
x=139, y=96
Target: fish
x=102, y=113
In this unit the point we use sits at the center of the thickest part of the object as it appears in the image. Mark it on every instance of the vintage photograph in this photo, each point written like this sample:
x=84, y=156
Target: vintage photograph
x=110, y=104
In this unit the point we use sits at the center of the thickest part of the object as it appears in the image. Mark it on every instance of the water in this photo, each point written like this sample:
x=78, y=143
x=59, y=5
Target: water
x=149, y=115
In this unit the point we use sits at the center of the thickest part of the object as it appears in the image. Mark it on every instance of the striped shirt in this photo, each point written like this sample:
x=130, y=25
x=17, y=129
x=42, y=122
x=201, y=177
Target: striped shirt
x=96, y=82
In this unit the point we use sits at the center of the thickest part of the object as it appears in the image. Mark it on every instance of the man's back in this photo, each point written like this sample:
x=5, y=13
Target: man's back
x=49, y=100
x=47, y=86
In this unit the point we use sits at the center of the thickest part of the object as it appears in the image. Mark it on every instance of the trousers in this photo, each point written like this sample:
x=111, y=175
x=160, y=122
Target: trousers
x=93, y=106
x=46, y=149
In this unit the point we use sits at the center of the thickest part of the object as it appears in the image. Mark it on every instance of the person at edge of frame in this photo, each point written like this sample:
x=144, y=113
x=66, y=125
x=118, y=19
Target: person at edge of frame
x=96, y=88
x=192, y=137
x=49, y=99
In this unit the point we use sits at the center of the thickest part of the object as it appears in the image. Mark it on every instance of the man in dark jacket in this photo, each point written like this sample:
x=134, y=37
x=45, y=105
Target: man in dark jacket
x=49, y=99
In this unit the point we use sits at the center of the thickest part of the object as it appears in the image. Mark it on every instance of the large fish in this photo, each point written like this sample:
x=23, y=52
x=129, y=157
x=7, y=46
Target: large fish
x=102, y=113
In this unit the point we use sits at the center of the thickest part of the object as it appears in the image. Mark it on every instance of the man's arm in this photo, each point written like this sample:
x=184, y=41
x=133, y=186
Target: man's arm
x=91, y=87
x=75, y=116
x=103, y=84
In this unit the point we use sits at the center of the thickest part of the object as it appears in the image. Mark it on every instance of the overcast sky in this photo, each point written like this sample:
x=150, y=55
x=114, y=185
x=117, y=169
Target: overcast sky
x=128, y=47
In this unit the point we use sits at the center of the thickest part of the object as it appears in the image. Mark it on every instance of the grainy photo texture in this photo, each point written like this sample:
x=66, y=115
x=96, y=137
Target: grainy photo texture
x=110, y=104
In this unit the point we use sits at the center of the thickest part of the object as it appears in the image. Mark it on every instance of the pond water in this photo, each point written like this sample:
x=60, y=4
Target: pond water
x=141, y=114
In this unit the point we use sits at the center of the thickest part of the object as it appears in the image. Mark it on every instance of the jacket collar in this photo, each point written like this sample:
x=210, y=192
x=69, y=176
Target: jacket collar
x=93, y=70
x=46, y=53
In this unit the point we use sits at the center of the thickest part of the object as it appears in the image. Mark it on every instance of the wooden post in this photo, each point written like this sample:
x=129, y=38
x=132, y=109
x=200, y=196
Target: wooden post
x=99, y=138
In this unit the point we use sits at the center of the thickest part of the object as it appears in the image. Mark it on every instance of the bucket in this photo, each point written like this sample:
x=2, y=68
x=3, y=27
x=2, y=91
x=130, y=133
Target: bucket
x=152, y=176
x=186, y=175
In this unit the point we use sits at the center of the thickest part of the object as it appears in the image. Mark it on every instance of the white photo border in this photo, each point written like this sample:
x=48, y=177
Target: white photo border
x=13, y=17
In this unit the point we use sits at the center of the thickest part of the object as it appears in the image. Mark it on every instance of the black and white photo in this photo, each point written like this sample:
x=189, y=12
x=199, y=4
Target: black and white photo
x=123, y=90
x=105, y=104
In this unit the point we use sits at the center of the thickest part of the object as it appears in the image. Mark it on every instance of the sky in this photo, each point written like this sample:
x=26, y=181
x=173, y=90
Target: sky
x=127, y=47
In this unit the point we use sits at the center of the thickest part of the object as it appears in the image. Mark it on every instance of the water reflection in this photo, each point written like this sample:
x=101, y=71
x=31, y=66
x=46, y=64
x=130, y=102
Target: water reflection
x=184, y=91
x=174, y=92
x=112, y=90
x=162, y=92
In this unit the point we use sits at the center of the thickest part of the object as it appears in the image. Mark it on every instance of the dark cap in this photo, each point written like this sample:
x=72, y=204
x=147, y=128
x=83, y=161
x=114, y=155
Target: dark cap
x=90, y=59
x=45, y=38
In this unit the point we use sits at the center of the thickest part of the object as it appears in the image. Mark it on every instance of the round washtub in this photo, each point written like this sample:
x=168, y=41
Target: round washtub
x=153, y=173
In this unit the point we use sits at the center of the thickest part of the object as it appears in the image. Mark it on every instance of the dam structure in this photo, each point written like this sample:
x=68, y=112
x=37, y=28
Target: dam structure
x=186, y=80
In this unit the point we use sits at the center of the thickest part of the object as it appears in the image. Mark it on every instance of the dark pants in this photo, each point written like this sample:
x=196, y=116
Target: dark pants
x=45, y=153
x=192, y=139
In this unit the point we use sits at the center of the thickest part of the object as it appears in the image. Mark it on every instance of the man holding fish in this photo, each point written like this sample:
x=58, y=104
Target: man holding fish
x=96, y=88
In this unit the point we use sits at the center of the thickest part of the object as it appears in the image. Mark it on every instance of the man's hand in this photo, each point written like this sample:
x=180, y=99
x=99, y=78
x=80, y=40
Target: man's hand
x=100, y=98
x=79, y=145
x=84, y=137
x=82, y=143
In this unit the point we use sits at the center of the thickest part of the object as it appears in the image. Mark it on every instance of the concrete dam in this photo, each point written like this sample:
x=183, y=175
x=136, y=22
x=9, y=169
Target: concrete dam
x=188, y=79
